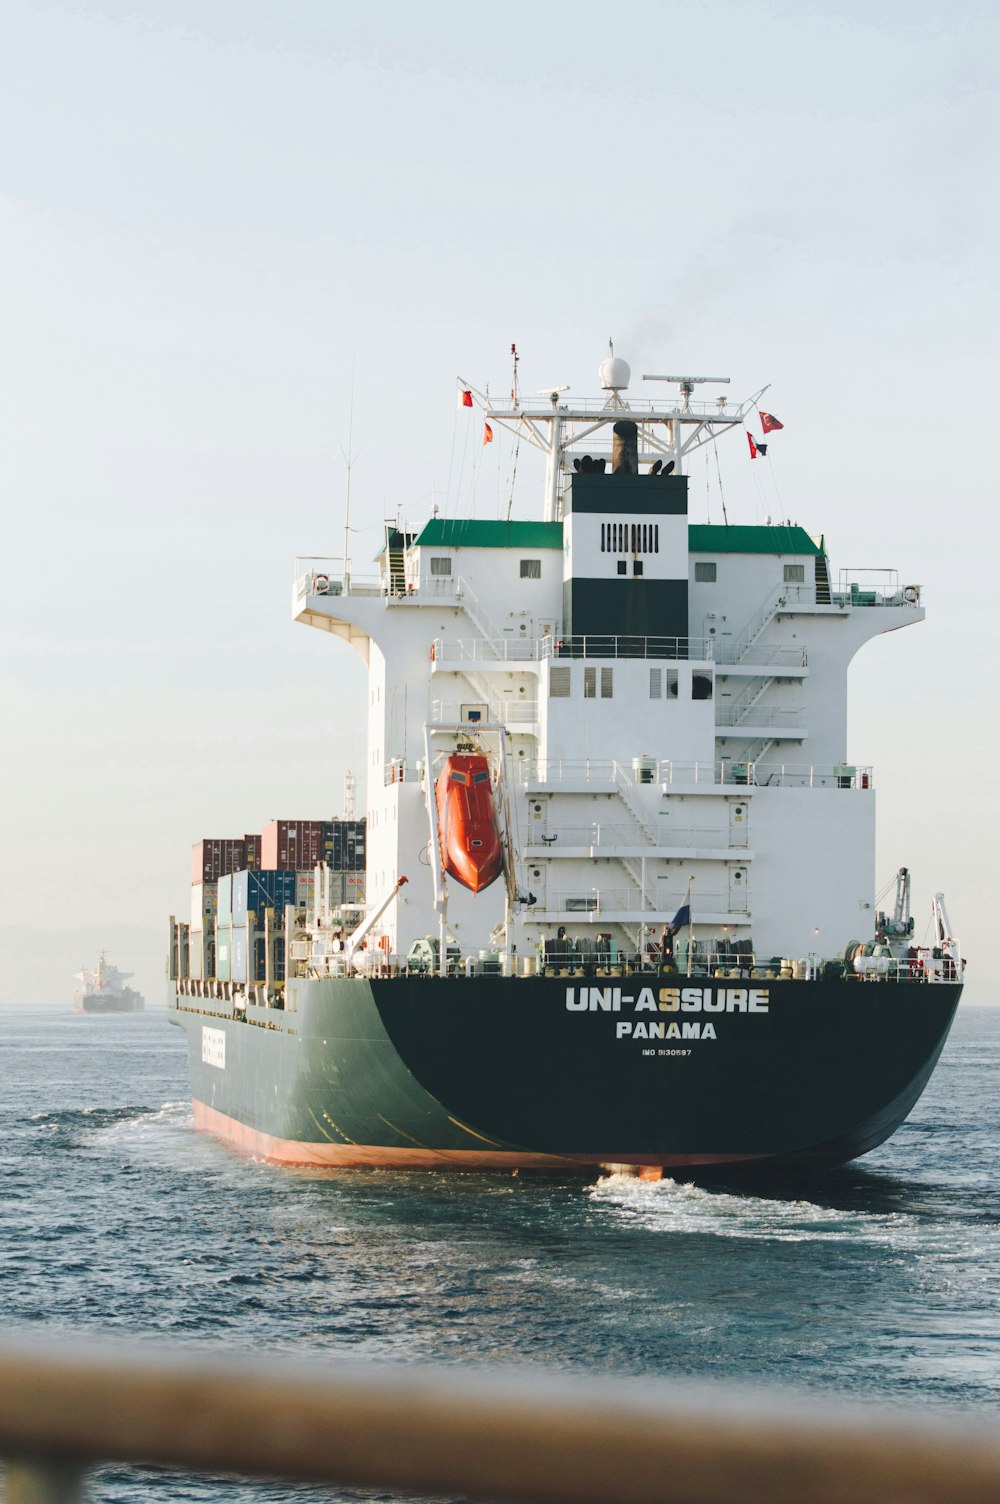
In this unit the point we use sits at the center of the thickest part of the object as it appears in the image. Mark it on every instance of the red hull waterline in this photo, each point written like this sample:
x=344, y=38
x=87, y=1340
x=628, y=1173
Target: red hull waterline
x=471, y=850
x=284, y=1151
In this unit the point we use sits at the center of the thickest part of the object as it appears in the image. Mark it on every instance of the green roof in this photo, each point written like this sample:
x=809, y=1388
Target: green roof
x=441, y=532
x=703, y=538
x=706, y=539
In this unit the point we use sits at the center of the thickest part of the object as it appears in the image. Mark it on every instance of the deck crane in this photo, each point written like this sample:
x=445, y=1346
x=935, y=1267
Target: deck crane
x=901, y=924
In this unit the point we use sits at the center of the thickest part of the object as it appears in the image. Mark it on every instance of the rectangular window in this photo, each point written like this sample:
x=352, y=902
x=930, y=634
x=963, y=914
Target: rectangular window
x=559, y=681
x=671, y=684
x=590, y=684
x=637, y=566
x=604, y=528
x=607, y=683
x=795, y=574
x=440, y=566
x=705, y=574
x=623, y=566
x=531, y=569
x=656, y=684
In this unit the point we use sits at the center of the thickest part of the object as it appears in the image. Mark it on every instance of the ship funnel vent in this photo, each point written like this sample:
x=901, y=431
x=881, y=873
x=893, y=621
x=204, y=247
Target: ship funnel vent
x=625, y=450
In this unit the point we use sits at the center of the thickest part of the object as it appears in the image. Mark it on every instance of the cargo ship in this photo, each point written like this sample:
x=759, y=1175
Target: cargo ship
x=103, y=990
x=615, y=893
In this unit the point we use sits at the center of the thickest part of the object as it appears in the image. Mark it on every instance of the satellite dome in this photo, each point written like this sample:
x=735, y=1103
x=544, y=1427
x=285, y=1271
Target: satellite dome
x=614, y=374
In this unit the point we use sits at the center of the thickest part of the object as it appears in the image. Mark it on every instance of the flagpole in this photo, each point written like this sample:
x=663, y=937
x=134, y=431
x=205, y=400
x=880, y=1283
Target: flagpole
x=690, y=926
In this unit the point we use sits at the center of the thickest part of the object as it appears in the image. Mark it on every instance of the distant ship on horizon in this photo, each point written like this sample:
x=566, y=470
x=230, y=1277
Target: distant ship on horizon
x=104, y=990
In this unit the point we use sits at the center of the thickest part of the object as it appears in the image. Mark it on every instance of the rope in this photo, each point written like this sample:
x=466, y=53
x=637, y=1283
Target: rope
x=513, y=474
x=451, y=457
x=718, y=467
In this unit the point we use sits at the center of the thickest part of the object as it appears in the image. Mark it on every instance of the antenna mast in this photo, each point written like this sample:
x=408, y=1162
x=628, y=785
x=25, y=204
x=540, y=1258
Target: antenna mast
x=349, y=463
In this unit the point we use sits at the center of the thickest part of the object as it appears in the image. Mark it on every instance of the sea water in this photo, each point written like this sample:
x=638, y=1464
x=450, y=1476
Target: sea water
x=880, y=1280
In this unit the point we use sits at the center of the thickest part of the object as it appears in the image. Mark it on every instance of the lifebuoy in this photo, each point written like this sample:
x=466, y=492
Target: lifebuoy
x=321, y=584
x=911, y=594
x=433, y=652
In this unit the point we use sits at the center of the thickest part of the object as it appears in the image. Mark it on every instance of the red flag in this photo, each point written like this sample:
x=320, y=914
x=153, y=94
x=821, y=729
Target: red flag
x=465, y=399
x=768, y=421
x=753, y=446
x=487, y=434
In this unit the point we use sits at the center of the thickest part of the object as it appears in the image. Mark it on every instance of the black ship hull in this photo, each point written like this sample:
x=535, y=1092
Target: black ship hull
x=130, y=1002
x=563, y=1072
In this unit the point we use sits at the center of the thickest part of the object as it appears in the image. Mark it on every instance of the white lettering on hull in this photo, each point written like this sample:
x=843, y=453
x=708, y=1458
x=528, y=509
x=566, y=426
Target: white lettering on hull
x=668, y=1000
x=213, y=1047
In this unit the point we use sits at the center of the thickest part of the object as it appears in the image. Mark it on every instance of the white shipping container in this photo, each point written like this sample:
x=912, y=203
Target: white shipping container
x=196, y=954
x=305, y=890
x=204, y=902
x=334, y=888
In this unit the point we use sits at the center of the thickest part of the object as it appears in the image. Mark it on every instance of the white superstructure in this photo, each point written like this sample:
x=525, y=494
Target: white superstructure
x=664, y=703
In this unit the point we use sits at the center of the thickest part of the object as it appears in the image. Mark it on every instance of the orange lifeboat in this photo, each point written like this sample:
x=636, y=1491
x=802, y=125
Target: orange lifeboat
x=471, y=851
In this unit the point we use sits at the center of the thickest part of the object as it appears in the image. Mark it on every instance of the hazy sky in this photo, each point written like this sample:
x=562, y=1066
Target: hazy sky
x=213, y=212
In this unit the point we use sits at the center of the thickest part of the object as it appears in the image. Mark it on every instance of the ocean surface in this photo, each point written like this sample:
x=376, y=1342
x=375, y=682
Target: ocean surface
x=881, y=1279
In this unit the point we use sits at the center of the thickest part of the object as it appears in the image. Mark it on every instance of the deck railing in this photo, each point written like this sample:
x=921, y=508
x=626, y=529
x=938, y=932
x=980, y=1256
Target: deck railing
x=601, y=772
x=519, y=1435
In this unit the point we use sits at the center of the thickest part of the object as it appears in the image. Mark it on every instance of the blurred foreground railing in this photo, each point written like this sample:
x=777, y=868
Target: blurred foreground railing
x=467, y=1433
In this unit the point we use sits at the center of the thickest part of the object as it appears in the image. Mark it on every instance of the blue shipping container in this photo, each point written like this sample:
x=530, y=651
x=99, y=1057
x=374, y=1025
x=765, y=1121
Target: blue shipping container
x=253, y=892
x=246, y=970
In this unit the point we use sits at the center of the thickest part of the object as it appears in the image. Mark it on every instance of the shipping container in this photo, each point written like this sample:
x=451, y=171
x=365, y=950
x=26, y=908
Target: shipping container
x=334, y=888
x=296, y=844
x=248, y=961
x=300, y=844
x=196, y=954
x=305, y=890
x=204, y=904
x=224, y=955
x=224, y=901
x=239, y=955
x=253, y=892
x=260, y=960
x=251, y=853
x=213, y=857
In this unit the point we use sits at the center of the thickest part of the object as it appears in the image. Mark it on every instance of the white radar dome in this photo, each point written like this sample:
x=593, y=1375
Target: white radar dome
x=614, y=374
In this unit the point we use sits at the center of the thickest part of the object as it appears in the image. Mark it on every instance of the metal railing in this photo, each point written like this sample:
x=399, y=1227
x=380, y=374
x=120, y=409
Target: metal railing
x=670, y=649
x=764, y=654
x=760, y=715
x=611, y=837
x=510, y=647
x=600, y=773
x=480, y=650
x=519, y=1435
x=499, y=712
x=875, y=587
x=603, y=900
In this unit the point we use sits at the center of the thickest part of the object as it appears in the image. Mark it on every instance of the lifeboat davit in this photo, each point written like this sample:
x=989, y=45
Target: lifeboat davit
x=471, y=851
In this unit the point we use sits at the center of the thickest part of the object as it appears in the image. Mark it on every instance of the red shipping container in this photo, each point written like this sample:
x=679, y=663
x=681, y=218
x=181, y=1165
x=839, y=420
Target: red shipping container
x=251, y=853
x=295, y=845
x=214, y=857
